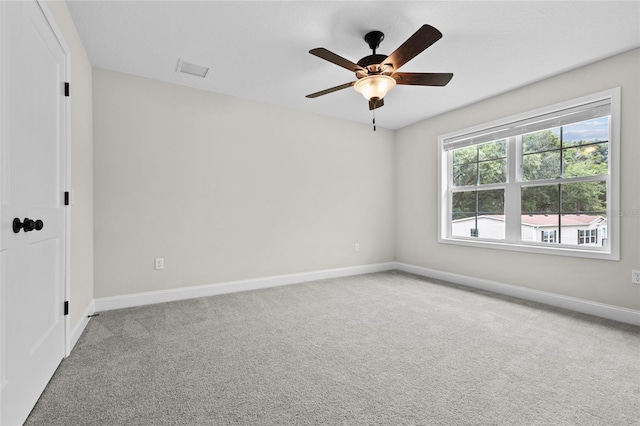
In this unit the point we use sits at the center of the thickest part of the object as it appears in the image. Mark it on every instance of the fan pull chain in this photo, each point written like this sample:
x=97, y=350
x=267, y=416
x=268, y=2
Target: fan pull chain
x=374, y=120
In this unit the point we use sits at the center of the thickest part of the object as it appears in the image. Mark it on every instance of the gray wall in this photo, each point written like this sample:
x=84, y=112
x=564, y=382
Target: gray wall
x=417, y=192
x=81, y=166
x=225, y=189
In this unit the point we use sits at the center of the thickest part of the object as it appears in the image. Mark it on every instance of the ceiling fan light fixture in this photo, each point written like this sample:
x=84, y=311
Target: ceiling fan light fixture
x=374, y=86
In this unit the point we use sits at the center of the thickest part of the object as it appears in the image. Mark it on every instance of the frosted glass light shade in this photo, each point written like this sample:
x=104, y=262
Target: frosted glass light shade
x=374, y=86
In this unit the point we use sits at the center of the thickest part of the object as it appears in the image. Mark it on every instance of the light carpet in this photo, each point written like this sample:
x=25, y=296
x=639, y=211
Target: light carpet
x=380, y=349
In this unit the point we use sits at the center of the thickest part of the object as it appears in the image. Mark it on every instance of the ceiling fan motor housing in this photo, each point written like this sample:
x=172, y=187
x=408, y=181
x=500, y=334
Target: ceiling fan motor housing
x=371, y=60
x=372, y=64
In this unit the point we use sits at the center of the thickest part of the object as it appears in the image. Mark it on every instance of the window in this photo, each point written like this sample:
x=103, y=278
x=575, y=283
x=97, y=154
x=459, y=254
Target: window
x=548, y=236
x=587, y=236
x=540, y=181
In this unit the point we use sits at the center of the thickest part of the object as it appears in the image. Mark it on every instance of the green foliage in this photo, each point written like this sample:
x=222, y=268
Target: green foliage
x=539, y=199
x=586, y=160
x=480, y=164
x=587, y=197
x=470, y=203
x=544, y=157
x=544, y=165
x=541, y=141
x=579, y=159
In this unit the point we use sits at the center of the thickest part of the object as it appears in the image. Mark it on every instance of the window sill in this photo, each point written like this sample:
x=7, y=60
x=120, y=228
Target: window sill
x=599, y=253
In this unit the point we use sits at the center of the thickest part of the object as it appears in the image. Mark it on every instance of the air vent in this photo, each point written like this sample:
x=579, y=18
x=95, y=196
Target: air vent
x=193, y=69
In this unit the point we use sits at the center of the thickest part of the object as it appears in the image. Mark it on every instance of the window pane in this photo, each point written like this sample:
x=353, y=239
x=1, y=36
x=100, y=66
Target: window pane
x=489, y=158
x=545, y=165
x=465, y=155
x=584, y=197
x=491, y=202
x=493, y=150
x=582, y=216
x=465, y=174
x=543, y=140
x=478, y=214
x=586, y=160
x=585, y=132
x=463, y=204
x=539, y=199
x=494, y=171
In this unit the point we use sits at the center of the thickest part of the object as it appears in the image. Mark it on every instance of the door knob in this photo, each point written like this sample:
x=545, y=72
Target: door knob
x=28, y=225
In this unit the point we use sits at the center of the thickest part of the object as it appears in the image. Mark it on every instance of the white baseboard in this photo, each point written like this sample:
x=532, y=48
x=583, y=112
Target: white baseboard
x=615, y=313
x=80, y=326
x=147, y=298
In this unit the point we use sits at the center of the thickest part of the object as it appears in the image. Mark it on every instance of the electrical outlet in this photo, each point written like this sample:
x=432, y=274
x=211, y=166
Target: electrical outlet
x=356, y=247
x=635, y=277
x=159, y=263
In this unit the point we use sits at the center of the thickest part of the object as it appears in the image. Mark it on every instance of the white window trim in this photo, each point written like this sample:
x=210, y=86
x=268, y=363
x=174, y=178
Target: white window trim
x=612, y=252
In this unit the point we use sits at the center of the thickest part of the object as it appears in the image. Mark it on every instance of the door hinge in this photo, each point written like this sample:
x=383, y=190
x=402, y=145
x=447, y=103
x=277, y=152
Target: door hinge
x=66, y=89
x=66, y=198
x=66, y=307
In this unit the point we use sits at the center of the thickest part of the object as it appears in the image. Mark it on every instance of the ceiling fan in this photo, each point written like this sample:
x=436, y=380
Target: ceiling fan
x=377, y=74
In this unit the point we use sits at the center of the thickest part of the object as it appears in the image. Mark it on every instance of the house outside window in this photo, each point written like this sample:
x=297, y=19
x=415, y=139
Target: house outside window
x=543, y=180
x=549, y=236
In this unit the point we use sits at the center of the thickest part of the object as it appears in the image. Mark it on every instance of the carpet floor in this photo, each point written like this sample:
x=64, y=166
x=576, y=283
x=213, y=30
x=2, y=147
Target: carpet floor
x=380, y=349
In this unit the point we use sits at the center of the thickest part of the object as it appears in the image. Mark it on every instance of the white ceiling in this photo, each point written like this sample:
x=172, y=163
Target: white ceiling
x=258, y=50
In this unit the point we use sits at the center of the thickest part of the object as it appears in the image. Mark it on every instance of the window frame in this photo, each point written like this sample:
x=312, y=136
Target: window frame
x=512, y=192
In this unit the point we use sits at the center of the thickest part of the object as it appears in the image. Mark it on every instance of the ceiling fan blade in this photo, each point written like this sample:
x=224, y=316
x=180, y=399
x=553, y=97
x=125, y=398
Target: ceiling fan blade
x=331, y=90
x=373, y=104
x=327, y=55
x=419, y=41
x=423, y=78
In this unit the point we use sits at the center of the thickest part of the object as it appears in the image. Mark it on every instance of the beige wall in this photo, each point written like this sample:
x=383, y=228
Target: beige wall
x=226, y=189
x=81, y=166
x=417, y=192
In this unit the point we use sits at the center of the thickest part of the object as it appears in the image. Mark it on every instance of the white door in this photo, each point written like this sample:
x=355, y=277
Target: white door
x=32, y=181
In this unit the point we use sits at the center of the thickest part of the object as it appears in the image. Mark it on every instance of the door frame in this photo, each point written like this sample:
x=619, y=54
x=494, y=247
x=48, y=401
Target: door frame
x=65, y=143
x=66, y=172
x=66, y=161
